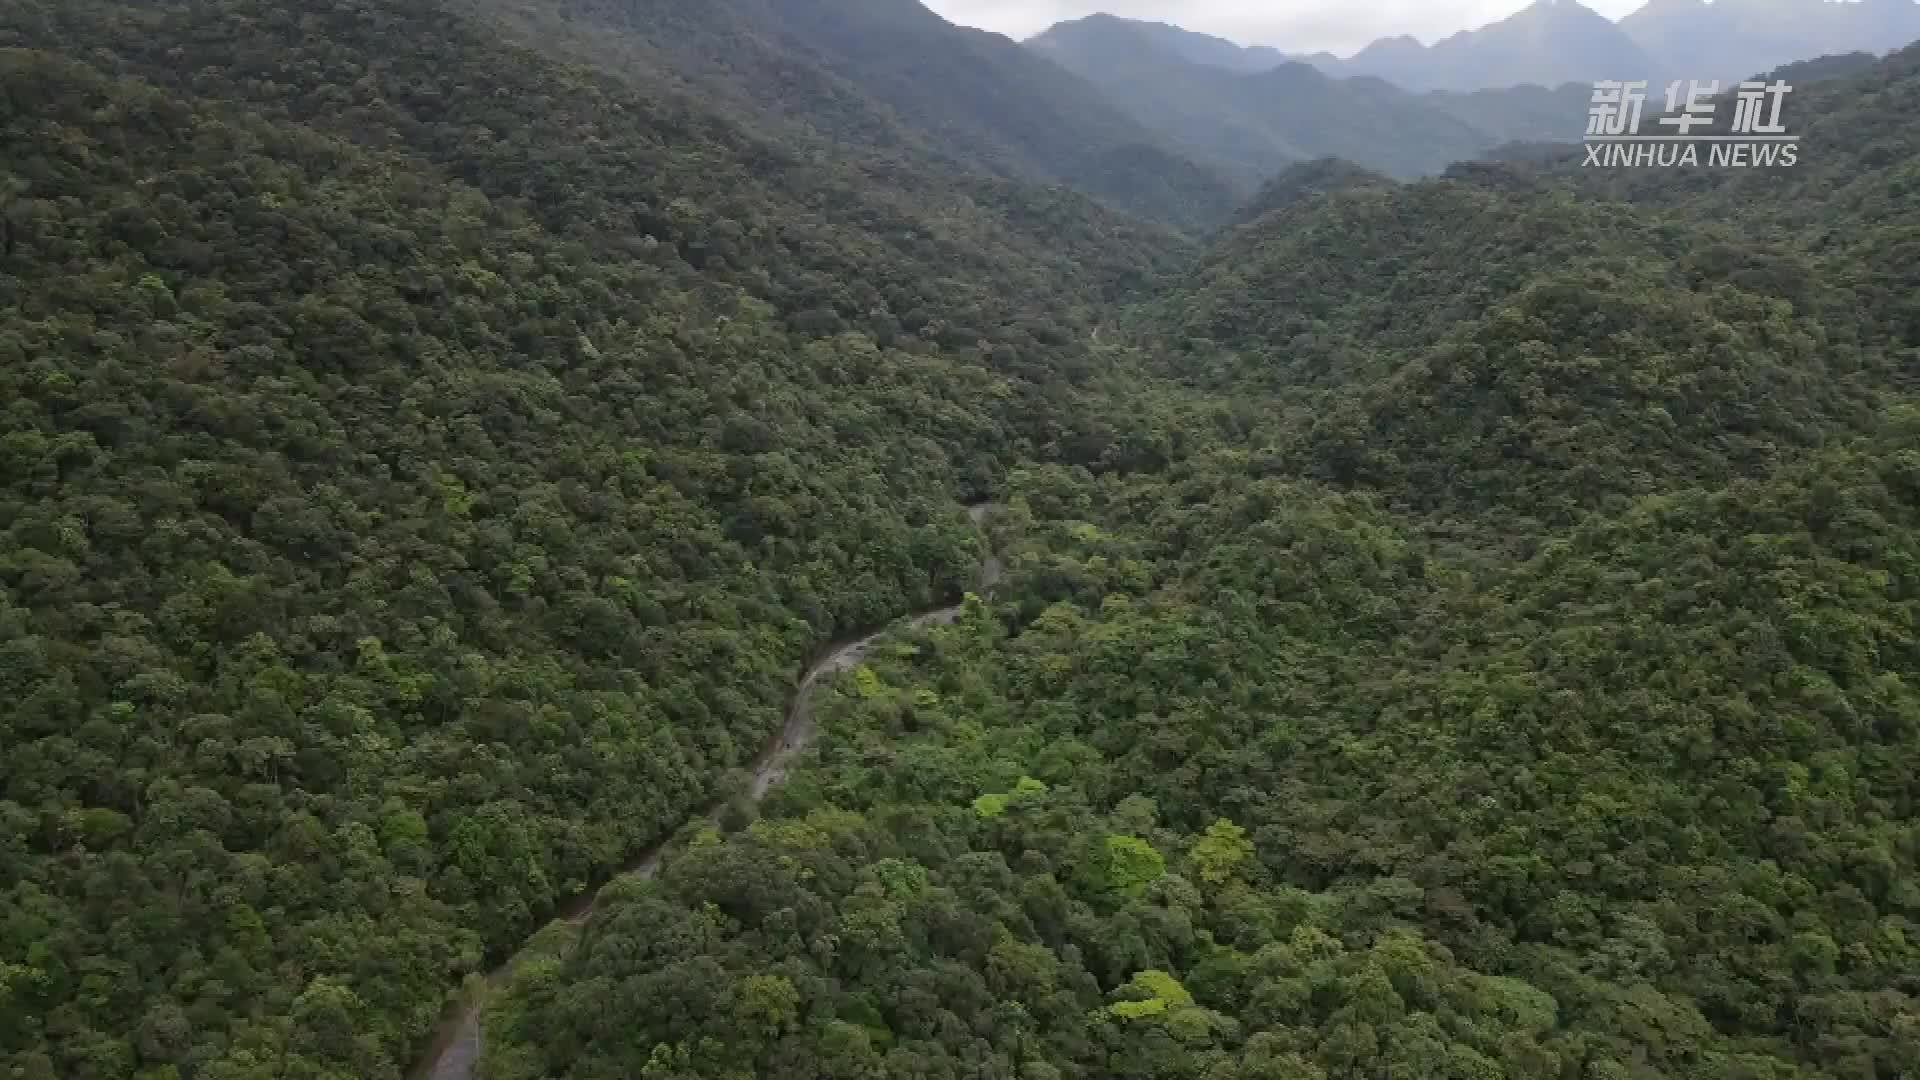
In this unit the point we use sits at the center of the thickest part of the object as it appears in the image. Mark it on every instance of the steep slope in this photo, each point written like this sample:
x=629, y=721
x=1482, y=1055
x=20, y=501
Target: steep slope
x=1483, y=334
x=887, y=74
x=423, y=467
x=1388, y=58
x=1337, y=287
x=1589, y=388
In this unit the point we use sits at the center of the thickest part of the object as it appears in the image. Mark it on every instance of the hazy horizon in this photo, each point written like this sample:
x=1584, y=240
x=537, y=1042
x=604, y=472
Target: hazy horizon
x=1303, y=27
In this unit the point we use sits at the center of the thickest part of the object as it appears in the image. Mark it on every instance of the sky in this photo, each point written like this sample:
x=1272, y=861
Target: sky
x=1340, y=26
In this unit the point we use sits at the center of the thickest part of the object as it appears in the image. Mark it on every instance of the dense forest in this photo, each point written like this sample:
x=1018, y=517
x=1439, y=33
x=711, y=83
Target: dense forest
x=1462, y=628
x=423, y=480
x=1248, y=779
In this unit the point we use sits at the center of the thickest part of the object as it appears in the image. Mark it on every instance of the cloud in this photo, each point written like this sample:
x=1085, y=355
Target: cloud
x=1341, y=26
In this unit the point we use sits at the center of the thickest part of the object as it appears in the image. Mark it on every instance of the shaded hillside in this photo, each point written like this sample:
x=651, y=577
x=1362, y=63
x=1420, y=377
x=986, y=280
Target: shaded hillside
x=1590, y=387
x=424, y=467
x=889, y=75
x=1520, y=113
x=1204, y=49
x=1338, y=288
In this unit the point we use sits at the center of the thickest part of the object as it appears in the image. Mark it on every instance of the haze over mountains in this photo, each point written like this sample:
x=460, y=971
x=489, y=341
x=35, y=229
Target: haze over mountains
x=1106, y=107
x=1251, y=122
x=1551, y=42
x=1407, y=109
x=1164, y=124
x=1729, y=39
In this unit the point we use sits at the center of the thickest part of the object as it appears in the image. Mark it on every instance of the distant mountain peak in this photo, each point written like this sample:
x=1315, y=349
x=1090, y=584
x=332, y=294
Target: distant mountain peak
x=1548, y=43
x=1399, y=44
x=1555, y=42
x=1565, y=9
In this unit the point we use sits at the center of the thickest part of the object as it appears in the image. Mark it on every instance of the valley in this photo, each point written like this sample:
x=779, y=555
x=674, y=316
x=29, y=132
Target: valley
x=457, y=1047
x=1445, y=611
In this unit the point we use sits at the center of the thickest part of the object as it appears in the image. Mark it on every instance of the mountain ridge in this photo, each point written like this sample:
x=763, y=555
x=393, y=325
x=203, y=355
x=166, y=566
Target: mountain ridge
x=1551, y=42
x=1256, y=120
x=890, y=77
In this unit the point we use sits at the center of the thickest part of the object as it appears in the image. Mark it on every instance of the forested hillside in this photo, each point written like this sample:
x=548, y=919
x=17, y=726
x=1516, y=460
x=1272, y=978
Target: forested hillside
x=1515, y=680
x=1247, y=780
x=1463, y=628
x=886, y=75
x=426, y=466
x=1850, y=206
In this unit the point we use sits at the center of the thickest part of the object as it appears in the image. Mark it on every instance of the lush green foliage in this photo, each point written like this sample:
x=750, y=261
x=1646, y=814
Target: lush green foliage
x=1531, y=697
x=425, y=470
x=1459, y=629
x=1316, y=800
x=888, y=76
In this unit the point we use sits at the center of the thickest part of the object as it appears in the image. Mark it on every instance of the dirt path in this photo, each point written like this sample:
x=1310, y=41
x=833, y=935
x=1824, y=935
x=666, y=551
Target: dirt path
x=456, y=1049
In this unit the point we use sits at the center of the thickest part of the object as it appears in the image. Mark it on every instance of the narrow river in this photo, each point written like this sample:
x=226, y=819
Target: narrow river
x=455, y=1052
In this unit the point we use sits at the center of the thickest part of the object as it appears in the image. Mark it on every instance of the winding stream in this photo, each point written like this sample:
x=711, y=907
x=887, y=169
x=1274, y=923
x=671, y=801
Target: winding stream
x=456, y=1047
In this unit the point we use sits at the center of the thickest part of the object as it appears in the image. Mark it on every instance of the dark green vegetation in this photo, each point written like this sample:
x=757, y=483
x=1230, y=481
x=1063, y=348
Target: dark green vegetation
x=891, y=76
x=1513, y=677
x=425, y=468
x=1249, y=780
x=1463, y=629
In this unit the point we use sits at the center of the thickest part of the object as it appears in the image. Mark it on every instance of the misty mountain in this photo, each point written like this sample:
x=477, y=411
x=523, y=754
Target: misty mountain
x=1549, y=43
x=1732, y=39
x=1229, y=107
x=1196, y=47
x=1558, y=41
